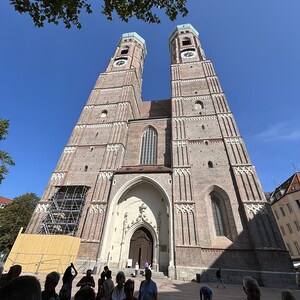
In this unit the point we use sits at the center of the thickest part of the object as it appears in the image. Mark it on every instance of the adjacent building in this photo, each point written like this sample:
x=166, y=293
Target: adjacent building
x=285, y=203
x=169, y=182
x=4, y=201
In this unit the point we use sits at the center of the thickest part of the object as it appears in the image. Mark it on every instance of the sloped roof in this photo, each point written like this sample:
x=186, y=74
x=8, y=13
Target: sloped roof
x=289, y=186
x=5, y=200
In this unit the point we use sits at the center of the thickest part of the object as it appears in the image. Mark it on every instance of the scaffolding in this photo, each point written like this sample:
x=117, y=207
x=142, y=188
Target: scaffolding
x=65, y=210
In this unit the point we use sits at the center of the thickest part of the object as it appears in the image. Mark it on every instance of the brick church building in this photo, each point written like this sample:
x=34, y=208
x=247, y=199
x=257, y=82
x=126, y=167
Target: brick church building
x=169, y=182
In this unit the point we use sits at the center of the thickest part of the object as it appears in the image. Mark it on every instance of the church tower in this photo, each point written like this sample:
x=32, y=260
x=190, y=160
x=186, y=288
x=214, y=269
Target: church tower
x=169, y=182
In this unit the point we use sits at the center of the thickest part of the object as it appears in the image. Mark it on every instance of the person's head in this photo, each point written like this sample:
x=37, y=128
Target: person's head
x=129, y=288
x=14, y=272
x=86, y=293
x=108, y=274
x=287, y=295
x=120, y=278
x=51, y=282
x=251, y=288
x=22, y=287
x=148, y=274
x=89, y=273
x=1, y=269
x=106, y=268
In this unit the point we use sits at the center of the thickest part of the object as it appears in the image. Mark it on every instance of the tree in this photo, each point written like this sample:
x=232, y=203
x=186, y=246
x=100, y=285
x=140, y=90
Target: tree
x=5, y=159
x=13, y=217
x=52, y=11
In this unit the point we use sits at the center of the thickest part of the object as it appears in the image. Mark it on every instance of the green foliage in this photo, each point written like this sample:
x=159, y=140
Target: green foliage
x=13, y=217
x=5, y=159
x=68, y=11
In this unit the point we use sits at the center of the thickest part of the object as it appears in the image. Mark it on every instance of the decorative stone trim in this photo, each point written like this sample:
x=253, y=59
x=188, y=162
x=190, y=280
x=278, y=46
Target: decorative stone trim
x=80, y=126
x=105, y=175
x=88, y=107
x=197, y=118
x=233, y=140
x=42, y=208
x=69, y=149
x=57, y=176
x=179, y=143
x=257, y=209
x=225, y=116
x=97, y=208
x=243, y=170
x=193, y=98
x=185, y=208
x=182, y=171
x=190, y=80
x=112, y=147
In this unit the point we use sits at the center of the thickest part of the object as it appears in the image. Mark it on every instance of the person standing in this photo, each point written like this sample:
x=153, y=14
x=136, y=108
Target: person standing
x=51, y=282
x=206, y=292
x=148, y=288
x=87, y=280
x=66, y=289
x=251, y=288
x=108, y=287
x=118, y=292
x=136, y=269
x=219, y=278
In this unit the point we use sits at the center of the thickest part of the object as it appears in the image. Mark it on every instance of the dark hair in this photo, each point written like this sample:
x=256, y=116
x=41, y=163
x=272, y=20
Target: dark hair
x=108, y=274
x=23, y=287
x=86, y=293
x=106, y=268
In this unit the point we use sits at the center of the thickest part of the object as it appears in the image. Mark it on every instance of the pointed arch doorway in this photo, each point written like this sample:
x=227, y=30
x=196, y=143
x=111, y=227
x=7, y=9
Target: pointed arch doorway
x=141, y=247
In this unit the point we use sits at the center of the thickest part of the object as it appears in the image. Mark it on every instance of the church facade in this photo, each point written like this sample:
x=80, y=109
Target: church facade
x=169, y=182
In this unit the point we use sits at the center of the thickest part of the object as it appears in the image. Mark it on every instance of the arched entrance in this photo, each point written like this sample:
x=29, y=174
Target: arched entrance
x=141, y=247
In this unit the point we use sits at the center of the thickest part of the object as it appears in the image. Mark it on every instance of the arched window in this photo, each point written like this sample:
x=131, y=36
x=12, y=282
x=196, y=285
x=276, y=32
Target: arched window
x=86, y=168
x=217, y=216
x=103, y=114
x=186, y=41
x=199, y=105
x=149, y=147
x=125, y=50
x=210, y=165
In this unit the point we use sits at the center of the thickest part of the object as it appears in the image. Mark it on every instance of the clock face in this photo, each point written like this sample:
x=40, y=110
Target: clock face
x=187, y=54
x=120, y=62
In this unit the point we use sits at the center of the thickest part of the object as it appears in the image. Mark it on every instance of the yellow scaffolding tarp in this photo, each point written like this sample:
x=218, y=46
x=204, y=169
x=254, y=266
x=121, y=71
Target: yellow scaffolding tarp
x=40, y=253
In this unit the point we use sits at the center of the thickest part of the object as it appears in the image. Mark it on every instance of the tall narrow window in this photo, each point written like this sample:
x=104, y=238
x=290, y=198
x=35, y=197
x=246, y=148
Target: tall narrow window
x=217, y=216
x=149, y=147
x=210, y=164
x=186, y=41
x=198, y=105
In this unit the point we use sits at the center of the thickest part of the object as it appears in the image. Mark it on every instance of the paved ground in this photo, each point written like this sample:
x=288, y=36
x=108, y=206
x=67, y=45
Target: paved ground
x=175, y=289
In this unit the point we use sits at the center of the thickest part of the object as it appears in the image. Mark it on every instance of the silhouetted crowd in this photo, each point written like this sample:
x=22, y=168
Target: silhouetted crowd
x=16, y=287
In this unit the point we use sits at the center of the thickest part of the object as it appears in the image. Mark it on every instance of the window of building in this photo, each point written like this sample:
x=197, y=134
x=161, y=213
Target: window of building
x=297, y=225
x=149, y=147
x=125, y=50
x=289, y=227
x=103, y=114
x=2, y=205
x=218, y=221
x=282, y=211
x=199, y=105
x=276, y=214
x=289, y=207
x=210, y=165
x=86, y=168
x=297, y=247
x=186, y=41
x=290, y=249
x=298, y=202
x=282, y=230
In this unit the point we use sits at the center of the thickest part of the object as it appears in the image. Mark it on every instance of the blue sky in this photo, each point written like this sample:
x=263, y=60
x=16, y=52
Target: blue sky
x=46, y=75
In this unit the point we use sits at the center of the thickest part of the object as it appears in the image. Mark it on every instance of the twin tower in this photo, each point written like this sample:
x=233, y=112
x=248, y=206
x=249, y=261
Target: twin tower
x=169, y=182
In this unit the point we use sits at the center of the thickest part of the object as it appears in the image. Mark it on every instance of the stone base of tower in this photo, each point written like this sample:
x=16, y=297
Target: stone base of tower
x=271, y=268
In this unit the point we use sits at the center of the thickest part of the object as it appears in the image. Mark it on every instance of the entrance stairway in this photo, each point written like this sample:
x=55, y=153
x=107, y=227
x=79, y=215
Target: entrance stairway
x=129, y=272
